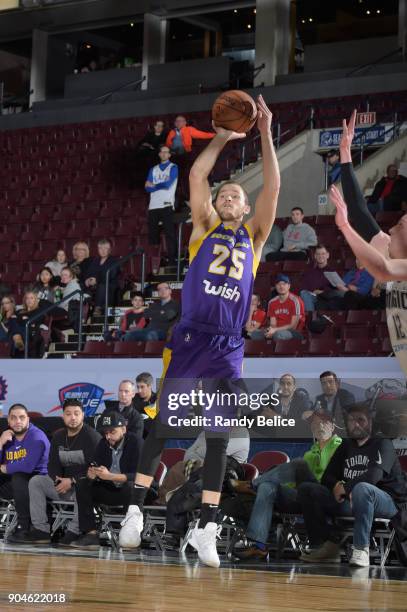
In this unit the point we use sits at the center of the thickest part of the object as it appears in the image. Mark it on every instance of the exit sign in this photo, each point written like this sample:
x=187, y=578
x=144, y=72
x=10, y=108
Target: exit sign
x=365, y=118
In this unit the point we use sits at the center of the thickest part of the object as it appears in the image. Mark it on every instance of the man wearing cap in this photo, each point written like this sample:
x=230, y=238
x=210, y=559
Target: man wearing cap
x=334, y=172
x=364, y=479
x=286, y=313
x=109, y=480
x=273, y=487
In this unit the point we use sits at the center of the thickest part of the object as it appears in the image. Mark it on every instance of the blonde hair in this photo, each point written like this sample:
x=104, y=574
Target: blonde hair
x=82, y=244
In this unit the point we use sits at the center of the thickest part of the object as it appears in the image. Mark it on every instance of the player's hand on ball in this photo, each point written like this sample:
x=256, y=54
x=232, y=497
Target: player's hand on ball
x=264, y=115
x=228, y=134
x=341, y=216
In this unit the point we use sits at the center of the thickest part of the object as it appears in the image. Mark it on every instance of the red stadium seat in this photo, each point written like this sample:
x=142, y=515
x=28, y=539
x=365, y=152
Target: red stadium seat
x=363, y=347
x=265, y=460
x=289, y=348
x=154, y=348
x=258, y=348
x=250, y=471
x=324, y=347
x=94, y=348
x=128, y=349
x=363, y=317
x=170, y=456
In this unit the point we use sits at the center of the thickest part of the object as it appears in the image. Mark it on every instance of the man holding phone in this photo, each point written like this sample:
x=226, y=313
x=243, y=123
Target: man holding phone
x=72, y=450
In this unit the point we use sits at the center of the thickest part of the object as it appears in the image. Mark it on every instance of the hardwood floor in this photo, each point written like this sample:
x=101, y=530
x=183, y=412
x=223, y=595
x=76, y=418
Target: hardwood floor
x=93, y=584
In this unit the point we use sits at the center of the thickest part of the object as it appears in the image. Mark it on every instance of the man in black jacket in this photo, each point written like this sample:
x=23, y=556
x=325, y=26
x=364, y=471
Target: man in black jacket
x=72, y=449
x=127, y=406
x=333, y=399
x=110, y=479
x=162, y=315
x=364, y=479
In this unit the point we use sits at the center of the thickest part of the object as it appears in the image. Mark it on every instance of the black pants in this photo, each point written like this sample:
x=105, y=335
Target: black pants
x=215, y=459
x=166, y=215
x=282, y=255
x=15, y=486
x=91, y=492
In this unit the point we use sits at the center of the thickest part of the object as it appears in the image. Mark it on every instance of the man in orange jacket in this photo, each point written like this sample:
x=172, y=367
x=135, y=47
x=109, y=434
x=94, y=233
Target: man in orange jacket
x=179, y=140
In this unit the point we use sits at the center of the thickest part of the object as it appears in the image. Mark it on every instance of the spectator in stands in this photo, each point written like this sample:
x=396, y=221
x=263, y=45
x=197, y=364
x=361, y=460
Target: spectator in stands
x=364, y=479
x=333, y=399
x=55, y=265
x=161, y=317
x=298, y=238
x=357, y=282
x=151, y=143
x=314, y=281
x=31, y=306
x=81, y=260
x=68, y=285
x=7, y=313
x=179, y=139
x=257, y=316
x=133, y=318
x=44, y=287
x=125, y=405
x=110, y=480
x=95, y=278
x=161, y=184
x=334, y=171
x=285, y=312
x=144, y=400
x=24, y=452
x=274, y=488
x=389, y=193
x=292, y=404
x=273, y=243
x=72, y=450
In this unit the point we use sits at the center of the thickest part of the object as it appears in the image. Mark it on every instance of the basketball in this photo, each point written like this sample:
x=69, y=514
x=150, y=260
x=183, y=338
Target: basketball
x=235, y=110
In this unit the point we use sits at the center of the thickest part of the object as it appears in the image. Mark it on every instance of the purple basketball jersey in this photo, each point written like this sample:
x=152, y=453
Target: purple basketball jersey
x=218, y=286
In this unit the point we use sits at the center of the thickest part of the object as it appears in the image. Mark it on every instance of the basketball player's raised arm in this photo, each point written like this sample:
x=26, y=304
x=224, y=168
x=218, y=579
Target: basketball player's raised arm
x=380, y=267
x=266, y=203
x=200, y=199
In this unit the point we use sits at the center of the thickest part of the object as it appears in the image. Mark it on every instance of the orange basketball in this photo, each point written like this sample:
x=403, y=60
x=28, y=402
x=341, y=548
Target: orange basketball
x=235, y=110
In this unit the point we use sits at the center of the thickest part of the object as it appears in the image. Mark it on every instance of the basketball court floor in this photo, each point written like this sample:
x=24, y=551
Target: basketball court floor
x=105, y=580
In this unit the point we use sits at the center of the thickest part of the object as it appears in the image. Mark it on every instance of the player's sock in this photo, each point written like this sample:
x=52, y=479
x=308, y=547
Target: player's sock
x=208, y=515
x=138, y=495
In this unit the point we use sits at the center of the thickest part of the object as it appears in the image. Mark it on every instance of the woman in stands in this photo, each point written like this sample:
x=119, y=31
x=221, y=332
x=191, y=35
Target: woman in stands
x=81, y=260
x=44, y=288
x=55, y=265
x=31, y=306
x=7, y=313
x=384, y=255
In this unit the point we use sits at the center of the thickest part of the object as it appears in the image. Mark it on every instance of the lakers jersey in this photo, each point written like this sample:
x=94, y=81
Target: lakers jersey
x=218, y=286
x=396, y=310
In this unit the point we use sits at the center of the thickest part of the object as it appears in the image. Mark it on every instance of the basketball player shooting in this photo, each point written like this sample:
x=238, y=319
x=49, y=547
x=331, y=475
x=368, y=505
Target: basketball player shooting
x=207, y=342
x=383, y=255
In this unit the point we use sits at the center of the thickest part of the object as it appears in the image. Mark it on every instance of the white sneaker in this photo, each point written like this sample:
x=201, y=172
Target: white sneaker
x=204, y=542
x=132, y=527
x=360, y=557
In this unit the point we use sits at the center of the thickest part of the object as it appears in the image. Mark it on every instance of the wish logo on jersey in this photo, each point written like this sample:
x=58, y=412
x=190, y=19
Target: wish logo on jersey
x=223, y=291
x=88, y=393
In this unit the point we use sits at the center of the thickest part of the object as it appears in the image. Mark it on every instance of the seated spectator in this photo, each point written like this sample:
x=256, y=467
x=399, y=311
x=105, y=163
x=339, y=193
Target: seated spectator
x=274, y=489
x=333, y=399
x=125, y=406
x=298, y=238
x=24, y=452
x=144, y=400
x=72, y=450
x=95, y=277
x=364, y=479
x=55, y=265
x=389, y=193
x=273, y=243
x=7, y=313
x=257, y=316
x=81, y=260
x=334, y=166
x=133, y=318
x=110, y=480
x=285, y=312
x=161, y=184
x=293, y=403
x=179, y=139
x=44, y=287
x=150, y=144
x=70, y=307
x=36, y=347
x=356, y=283
x=162, y=315
x=314, y=281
